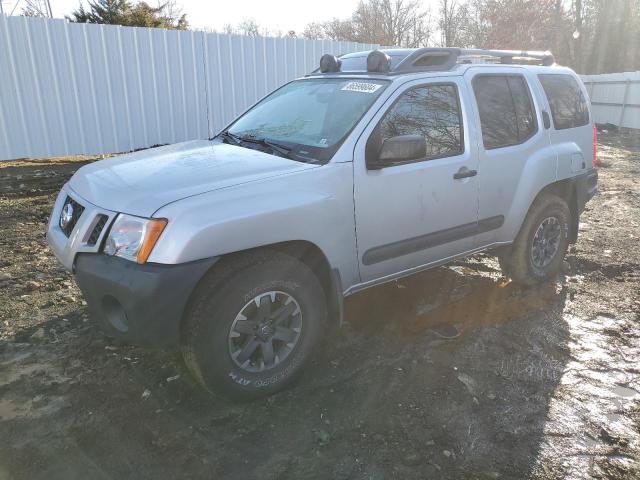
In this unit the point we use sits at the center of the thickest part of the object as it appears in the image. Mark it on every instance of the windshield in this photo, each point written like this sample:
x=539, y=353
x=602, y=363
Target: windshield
x=310, y=117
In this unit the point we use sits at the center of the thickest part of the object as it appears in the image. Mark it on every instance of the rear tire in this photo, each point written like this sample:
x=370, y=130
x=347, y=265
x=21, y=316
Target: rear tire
x=539, y=249
x=252, y=324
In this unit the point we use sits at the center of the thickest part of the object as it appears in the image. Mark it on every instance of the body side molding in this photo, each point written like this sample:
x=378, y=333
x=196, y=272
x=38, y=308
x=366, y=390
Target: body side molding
x=422, y=242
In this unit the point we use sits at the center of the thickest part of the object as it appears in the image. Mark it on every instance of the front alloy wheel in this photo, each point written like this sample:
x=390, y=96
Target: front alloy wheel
x=252, y=323
x=265, y=332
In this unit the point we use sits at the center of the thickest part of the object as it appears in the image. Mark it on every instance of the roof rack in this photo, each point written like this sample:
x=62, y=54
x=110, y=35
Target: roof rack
x=434, y=59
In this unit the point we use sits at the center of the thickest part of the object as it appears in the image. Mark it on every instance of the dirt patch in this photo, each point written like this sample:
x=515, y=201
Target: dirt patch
x=541, y=383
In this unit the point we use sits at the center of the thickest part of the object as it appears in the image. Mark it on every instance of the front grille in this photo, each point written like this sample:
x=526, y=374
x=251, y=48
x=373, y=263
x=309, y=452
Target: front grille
x=97, y=230
x=70, y=214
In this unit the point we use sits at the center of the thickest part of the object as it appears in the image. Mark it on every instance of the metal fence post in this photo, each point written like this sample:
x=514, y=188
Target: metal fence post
x=624, y=102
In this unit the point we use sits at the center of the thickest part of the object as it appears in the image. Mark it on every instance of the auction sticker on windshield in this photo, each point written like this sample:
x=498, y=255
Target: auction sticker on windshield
x=363, y=87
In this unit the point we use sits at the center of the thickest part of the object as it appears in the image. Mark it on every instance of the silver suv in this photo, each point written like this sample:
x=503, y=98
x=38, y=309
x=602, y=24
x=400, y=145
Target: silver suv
x=377, y=165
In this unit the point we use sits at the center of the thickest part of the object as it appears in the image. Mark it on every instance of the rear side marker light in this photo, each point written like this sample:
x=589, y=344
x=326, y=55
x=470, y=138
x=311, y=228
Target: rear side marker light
x=594, y=160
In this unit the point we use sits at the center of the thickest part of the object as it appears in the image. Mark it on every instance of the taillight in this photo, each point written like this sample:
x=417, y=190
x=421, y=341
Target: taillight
x=594, y=160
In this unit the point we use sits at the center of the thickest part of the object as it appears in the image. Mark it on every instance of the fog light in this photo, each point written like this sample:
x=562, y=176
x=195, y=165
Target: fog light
x=114, y=313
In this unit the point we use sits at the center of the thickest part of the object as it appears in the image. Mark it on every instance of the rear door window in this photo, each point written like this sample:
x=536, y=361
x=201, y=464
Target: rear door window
x=569, y=107
x=507, y=114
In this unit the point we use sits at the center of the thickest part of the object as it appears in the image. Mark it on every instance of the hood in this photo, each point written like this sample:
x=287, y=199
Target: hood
x=142, y=182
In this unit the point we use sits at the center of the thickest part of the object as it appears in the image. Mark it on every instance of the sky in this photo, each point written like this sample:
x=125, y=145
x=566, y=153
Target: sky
x=275, y=15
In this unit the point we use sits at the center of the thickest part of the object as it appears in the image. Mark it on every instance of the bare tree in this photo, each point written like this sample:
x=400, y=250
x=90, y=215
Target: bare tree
x=341, y=30
x=314, y=30
x=403, y=22
x=228, y=29
x=385, y=22
x=521, y=24
x=452, y=18
x=37, y=8
x=173, y=11
x=249, y=27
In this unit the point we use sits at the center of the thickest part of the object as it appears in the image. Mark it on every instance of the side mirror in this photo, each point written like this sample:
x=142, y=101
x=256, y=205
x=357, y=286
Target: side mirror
x=399, y=149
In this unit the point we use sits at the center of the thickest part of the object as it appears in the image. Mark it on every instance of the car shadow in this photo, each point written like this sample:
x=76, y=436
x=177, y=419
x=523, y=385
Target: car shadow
x=387, y=396
x=483, y=396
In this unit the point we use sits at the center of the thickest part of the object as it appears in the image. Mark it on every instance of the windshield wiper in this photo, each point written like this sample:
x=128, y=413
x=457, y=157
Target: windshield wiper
x=234, y=139
x=276, y=147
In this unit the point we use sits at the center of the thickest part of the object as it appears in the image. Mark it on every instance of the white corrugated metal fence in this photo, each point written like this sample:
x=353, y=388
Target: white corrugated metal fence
x=615, y=98
x=68, y=88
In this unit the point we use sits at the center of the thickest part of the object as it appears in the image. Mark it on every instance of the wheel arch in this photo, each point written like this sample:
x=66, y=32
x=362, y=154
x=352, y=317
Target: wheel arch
x=306, y=252
x=565, y=189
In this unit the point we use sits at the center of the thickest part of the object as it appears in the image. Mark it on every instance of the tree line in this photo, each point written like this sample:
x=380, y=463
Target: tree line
x=591, y=36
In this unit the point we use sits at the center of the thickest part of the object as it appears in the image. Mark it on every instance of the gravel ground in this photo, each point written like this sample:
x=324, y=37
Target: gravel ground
x=542, y=383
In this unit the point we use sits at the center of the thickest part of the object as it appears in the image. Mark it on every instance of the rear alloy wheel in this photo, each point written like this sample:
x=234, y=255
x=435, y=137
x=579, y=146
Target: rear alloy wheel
x=546, y=242
x=252, y=324
x=538, y=251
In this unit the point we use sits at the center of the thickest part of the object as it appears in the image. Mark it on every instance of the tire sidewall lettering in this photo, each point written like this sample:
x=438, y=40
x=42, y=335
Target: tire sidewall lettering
x=264, y=382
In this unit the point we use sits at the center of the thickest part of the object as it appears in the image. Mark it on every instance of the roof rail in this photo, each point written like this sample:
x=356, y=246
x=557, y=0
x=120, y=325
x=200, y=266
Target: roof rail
x=441, y=59
x=508, y=56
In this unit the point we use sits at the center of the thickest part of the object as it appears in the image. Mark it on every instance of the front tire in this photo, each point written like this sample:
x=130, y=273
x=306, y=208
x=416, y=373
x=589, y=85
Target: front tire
x=252, y=324
x=539, y=249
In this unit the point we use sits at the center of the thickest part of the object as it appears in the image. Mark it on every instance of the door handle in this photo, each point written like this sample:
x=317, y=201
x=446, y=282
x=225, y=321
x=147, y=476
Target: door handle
x=464, y=172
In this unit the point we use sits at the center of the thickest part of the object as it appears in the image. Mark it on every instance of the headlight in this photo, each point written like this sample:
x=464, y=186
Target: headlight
x=133, y=238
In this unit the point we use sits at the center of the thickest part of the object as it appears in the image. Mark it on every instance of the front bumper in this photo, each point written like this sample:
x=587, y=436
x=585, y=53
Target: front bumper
x=140, y=304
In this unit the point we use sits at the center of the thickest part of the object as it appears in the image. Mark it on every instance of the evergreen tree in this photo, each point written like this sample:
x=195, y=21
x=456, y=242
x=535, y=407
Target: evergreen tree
x=124, y=12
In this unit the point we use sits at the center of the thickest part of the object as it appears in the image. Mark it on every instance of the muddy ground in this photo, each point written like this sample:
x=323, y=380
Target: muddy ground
x=542, y=383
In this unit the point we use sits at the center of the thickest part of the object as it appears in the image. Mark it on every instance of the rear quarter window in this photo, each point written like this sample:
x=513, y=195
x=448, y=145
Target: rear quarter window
x=569, y=107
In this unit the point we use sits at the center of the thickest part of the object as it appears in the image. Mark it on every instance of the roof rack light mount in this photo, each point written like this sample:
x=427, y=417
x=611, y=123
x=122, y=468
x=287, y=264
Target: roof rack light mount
x=329, y=63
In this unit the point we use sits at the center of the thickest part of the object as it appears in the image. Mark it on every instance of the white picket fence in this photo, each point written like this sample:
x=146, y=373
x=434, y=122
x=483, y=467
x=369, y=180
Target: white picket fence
x=68, y=88
x=615, y=98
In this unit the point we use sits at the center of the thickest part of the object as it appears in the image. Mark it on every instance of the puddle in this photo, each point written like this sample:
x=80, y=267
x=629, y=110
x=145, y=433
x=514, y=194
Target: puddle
x=624, y=392
x=614, y=418
x=33, y=408
x=8, y=410
x=46, y=371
